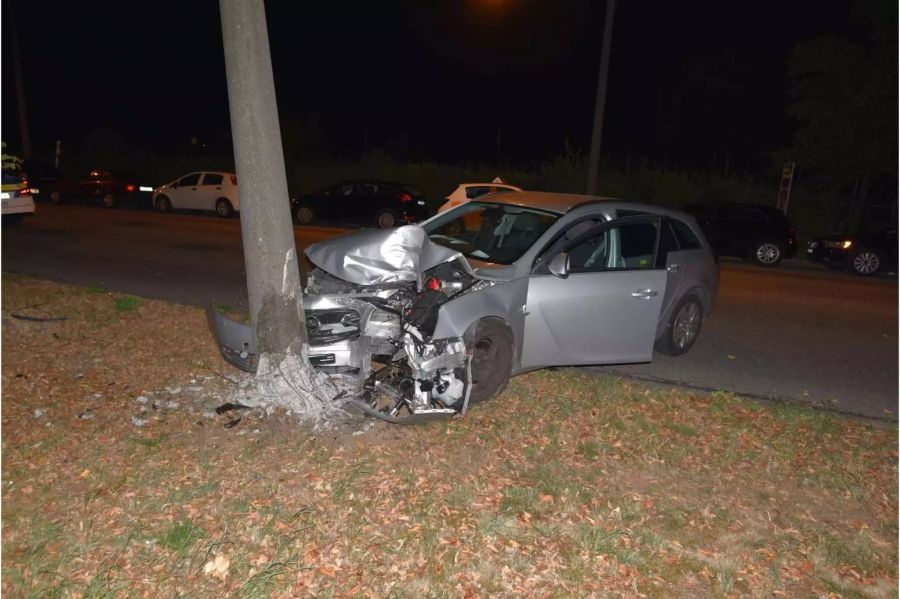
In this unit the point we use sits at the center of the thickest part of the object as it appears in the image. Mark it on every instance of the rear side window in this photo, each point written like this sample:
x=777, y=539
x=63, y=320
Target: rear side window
x=189, y=180
x=212, y=179
x=686, y=238
x=667, y=243
x=626, y=247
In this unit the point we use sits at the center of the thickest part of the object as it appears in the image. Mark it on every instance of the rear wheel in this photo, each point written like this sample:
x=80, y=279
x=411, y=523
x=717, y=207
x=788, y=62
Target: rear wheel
x=865, y=262
x=305, y=215
x=55, y=197
x=492, y=359
x=163, y=204
x=683, y=327
x=386, y=219
x=109, y=200
x=224, y=208
x=766, y=253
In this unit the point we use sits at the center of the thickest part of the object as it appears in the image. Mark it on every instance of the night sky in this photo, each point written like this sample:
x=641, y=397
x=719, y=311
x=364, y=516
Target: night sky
x=690, y=82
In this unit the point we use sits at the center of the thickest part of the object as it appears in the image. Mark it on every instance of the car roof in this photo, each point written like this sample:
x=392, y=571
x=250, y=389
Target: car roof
x=488, y=185
x=562, y=203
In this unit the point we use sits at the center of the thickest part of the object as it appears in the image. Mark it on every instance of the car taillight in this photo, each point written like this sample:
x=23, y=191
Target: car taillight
x=233, y=180
x=405, y=197
x=130, y=187
x=25, y=192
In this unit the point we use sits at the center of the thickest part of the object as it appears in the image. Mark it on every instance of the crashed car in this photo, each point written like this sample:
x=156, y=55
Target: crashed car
x=427, y=319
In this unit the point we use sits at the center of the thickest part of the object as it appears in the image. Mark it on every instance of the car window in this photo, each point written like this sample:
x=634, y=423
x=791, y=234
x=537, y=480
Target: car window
x=625, y=247
x=686, y=238
x=498, y=233
x=189, y=180
x=212, y=179
x=11, y=176
x=366, y=189
x=503, y=190
x=667, y=243
x=477, y=191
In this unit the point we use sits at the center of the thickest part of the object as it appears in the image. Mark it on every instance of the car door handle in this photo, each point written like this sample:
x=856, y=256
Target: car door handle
x=644, y=293
x=218, y=188
x=193, y=189
x=673, y=267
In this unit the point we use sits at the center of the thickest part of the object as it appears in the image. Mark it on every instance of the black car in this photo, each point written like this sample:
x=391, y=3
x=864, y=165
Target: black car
x=762, y=234
x=380, y=203
x=865, y=254
x=41, y=177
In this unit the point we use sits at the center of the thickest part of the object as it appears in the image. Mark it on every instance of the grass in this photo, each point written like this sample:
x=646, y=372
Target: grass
x=569, y=485
x=127, y=303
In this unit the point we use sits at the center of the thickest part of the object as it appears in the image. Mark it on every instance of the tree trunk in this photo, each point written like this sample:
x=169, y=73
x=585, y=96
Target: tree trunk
x=284, y=375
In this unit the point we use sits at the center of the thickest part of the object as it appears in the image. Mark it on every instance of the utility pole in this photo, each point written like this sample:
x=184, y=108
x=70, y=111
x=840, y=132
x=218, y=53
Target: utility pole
x=284, y=374
x=20, y=85
x=600, y=103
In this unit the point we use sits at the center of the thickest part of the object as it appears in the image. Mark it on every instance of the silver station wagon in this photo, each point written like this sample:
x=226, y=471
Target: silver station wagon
x=426, y=319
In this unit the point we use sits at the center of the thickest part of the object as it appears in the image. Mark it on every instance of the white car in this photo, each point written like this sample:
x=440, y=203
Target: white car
x=469, y=191
x=16, y=196
x=208, y=190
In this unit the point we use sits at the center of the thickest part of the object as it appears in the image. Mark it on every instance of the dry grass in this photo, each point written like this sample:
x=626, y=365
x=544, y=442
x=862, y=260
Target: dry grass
x=567, y=485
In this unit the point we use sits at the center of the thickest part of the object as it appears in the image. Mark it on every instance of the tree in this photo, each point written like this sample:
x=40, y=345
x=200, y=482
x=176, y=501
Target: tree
x=284, y=374
x=844, y=99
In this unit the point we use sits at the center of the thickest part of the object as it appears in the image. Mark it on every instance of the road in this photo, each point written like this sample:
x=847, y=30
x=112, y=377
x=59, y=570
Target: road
x=795, y=333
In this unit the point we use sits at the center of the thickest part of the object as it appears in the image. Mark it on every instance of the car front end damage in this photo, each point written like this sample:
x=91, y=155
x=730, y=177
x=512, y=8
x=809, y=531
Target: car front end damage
x=371, y=312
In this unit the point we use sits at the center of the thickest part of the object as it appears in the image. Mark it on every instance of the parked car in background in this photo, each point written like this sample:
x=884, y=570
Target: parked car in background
x=865, y=254
x=104, y=187
x=369, y=201
x=15, y=197
x=41, y=177
x=207, y=190
x=761, y=234
x=469, y=191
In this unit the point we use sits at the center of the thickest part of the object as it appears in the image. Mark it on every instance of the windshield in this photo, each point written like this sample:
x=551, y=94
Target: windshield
x=498, y=233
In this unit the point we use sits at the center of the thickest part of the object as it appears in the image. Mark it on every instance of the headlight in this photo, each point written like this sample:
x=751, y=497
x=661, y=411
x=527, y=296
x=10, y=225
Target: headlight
x=844, y=245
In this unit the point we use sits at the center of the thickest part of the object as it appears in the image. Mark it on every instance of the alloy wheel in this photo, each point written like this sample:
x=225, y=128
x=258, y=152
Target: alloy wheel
x=768, y=253
x=866, y=262
x=686, y=325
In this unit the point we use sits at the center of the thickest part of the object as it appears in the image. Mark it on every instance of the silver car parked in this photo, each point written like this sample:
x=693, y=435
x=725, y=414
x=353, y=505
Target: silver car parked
x=429, y=318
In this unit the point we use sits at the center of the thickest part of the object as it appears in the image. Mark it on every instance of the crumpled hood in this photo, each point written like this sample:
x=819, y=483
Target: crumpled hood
x=380, y=256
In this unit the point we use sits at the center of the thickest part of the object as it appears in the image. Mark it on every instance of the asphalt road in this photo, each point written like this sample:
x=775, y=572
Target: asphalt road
x=797, y=333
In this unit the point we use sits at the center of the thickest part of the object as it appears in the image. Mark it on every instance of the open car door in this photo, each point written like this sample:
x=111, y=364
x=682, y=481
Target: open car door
x=594, y=295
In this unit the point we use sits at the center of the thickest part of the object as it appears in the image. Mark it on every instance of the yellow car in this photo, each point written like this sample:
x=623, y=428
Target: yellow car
x=15, y=196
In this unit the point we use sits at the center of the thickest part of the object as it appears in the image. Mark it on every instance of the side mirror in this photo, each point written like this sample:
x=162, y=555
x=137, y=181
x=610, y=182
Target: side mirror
x=559, y=265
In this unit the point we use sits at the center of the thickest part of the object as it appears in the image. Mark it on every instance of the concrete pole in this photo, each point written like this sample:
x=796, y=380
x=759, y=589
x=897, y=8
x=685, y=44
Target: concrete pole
x=20, y=86
x=270, y=255
x=600, y=103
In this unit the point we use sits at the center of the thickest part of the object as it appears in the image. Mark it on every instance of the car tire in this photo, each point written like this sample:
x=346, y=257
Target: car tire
x=386, y=218
x=683, y=327
x=55, y=197
x=766, y=253
x=865, y=262
x=492, y=359
x=163, y=204
x=224, y=208
x=305, y=215
x=109, y=200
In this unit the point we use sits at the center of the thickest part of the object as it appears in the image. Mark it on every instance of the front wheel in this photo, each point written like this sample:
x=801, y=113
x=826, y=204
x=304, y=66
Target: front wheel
x=865, y=262
x=163, y=204
x=305, y=215
x=683, y=327
x=386, y=219
x=766, y=253
x=224, y=208
x=492, y=359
